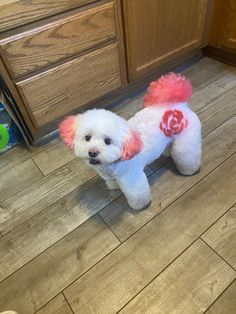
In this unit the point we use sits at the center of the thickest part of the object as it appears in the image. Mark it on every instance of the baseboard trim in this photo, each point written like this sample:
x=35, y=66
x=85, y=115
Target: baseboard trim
x=220, y=54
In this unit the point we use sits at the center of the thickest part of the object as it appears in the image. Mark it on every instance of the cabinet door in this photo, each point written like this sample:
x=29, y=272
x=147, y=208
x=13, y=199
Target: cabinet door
x=157, y=31
x=229, y=30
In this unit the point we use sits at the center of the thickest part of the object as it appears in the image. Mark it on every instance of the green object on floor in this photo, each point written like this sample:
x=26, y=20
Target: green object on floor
x=4, y=137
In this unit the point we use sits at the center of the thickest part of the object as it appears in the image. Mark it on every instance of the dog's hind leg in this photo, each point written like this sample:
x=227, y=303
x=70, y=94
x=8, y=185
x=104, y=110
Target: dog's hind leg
x=186, y=148
x=111, y=185
x=167, y=151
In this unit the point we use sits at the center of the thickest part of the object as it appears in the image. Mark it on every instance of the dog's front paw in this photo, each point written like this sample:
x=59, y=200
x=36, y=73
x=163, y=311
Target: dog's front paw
x=112, y=185
x=139, y=204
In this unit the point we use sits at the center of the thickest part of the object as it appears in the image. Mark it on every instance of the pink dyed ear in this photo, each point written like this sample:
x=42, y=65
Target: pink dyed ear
x=132, y=145
x=67, y=129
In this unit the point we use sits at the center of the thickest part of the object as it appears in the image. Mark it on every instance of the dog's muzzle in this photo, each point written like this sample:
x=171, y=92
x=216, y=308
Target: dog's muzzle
x=94, y=161
x=93, y=153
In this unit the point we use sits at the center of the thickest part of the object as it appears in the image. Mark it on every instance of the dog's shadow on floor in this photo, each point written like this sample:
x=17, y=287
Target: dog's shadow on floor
x=112, y=206
x=93, y=197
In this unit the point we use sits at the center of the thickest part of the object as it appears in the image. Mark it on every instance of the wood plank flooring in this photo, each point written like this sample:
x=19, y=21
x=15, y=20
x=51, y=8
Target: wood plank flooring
x=67, y=245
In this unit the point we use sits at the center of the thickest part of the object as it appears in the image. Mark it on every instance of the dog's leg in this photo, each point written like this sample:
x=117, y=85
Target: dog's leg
x=112, y=185
x=186, y=150
x=136, y=188
x=167, y=151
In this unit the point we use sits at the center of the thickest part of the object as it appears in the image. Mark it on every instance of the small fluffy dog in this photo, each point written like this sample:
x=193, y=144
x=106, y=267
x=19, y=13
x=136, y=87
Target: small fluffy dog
x=119, y=149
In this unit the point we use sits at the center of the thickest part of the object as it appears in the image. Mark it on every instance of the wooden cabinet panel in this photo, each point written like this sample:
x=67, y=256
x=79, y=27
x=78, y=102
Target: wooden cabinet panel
x=223, y=26
x=40, y=46
x=65, y=88
x=157, y=31
x=229, y=37
x=222, y=39
x=14, y=13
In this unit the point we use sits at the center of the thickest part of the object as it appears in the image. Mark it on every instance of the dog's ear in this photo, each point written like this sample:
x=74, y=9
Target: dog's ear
x=67, y=130
x=131, y=146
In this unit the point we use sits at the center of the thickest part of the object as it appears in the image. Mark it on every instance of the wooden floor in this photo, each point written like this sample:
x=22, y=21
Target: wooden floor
x=67, y=245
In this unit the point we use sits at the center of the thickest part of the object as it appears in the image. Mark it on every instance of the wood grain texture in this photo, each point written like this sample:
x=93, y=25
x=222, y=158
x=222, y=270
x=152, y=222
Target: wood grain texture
x=43, y=251
x=19, y=12
x=20, y=153
x=53, y=157
x=207, y=23
x=227, y=56
x=218, y=111
x=222, y=237
x=224, y=14
x=205, y=72
x=40, y=46
x=189, y=285
x=209, y=91
x=72, y=84
x=14, y=157
x=226, y=304
x=167, y=184
x=72, y=210
x=154, y=37
x=120, y=276
x=48, y=274
x=49, y=226
x=209, y=78
x=33, y=199
x=129, y=107
x=29, y=121
x=18, y=178
x=121, y=41
x=57, y=306
x=229, y=31
x=56, y=221
x=218, y=18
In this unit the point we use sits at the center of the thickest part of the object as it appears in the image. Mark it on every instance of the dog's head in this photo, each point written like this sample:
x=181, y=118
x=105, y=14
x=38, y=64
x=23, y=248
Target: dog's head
x=100, y=136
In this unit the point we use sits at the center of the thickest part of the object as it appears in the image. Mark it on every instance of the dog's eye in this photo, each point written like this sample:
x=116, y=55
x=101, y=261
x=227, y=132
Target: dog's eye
x=88, y=138
x=107, y=141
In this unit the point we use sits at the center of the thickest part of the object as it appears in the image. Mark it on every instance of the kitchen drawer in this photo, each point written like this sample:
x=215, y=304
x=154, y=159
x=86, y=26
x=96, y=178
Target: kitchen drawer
x=40, y=46
x=14, y=13
x=60, y=90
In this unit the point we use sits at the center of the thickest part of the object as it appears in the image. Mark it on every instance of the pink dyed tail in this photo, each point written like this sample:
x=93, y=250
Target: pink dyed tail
x=169, y=89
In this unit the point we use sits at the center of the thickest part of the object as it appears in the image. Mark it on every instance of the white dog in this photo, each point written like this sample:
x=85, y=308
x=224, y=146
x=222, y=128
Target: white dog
x=119, y=149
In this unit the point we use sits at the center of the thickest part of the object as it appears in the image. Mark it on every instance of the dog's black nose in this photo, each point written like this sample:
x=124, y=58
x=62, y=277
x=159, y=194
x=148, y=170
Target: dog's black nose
x=93, y=153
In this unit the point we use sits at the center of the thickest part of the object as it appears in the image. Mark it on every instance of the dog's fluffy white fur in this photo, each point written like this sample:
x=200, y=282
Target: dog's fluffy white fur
x=119, y=150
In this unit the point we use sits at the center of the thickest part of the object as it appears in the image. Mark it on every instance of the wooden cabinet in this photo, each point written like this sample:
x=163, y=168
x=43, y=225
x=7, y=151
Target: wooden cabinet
x=29, y=50
x=62, y=89
x=223, y=29
x=222, y=39
x=60, y=57
x=60, y=64
x=157, y=31
x=14, y=13
x=229, y=33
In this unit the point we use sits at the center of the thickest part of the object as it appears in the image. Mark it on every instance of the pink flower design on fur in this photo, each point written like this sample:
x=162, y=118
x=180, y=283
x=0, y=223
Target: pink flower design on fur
x=173, y=122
